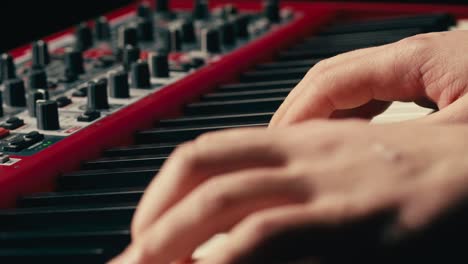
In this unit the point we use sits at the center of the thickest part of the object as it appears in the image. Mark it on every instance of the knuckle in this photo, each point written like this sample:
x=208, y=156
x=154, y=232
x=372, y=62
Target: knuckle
x=212, y=198
x=414, y=46
x=185, y=154
x=320, y=69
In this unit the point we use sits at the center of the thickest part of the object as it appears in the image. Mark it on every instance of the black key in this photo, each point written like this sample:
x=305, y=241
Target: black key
x=238, y=87
x=54, y=255
x=104, y=179
x=287, y=64
x=217, y=120
x=427, y=22
x=140, y=150
x=120, y=196
x=324, y=52
x=274, y=75
x=234, y=107
x=256, y=94
x=125, y=162
x=30, y=218
x=115, y=238
x=187, y=133
x=358, y=39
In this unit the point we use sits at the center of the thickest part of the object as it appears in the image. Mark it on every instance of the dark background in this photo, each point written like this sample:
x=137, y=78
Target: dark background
x=24, y=21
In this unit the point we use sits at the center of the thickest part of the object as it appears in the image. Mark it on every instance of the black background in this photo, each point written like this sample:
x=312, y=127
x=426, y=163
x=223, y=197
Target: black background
x=24, y=21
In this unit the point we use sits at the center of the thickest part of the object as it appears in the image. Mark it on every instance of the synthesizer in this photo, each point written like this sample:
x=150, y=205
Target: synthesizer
x=88, y=116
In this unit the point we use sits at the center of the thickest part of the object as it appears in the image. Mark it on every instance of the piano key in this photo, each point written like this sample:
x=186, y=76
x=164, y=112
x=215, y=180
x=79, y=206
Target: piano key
x=288, y=65
x=125, y=162
x=54, y=255
x=357, y=39
x=217, y=120
x=46, y=217
x=234, y=107
x=323, y=52
x=107, y=178
x=256, y=94
x=427, y=22
x=285, y=84
x=114, y=237
x=184, y=133
x=140, y=150
x=120, y=196
x=274, y=75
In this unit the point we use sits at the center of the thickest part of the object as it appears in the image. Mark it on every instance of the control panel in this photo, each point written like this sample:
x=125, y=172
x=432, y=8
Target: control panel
x=60, y=87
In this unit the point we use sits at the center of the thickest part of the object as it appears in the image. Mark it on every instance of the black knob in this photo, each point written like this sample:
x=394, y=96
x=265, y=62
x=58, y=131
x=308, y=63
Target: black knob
x=84, y=37
x=175, y=39
x=187, y=30
x=47, y=115
x=74, y=63
x=226, y=11
x=127, y=36
x=228, y=33
x=102, y=29
x=15, y=94
x=8, y=67
x=37, y=79
x=211, y=40
x=242, y=25
x=97, y=95
x=230, y=9
x=145, y=29
x=200, y=10
x=271, y=10
x=162, y=6
x=144, y=11
x=159, y=64
x=130, y=55
x=1, y=104
x=33, y=97
x=140, y=75
x=118, y=83
x=40, y=54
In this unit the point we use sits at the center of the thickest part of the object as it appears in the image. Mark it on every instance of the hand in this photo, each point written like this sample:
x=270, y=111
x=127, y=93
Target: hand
x=255, y=183
x=428, y=69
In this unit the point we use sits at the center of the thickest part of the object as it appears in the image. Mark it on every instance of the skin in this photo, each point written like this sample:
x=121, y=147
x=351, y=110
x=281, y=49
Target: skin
x=255, y=183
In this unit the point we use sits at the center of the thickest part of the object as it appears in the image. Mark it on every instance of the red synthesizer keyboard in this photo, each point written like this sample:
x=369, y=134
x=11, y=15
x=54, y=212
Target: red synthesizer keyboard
x=88, y=115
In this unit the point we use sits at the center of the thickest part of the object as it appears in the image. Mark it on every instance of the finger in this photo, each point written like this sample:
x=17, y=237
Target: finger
x=212, y=208
x=255, y=229
x=311, y=224
x=391, y=73
x=192, y=164
x=453, y=113
x=306, y=82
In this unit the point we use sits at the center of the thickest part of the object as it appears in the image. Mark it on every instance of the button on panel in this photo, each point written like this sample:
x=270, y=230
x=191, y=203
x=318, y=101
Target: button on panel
x=12, y=123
